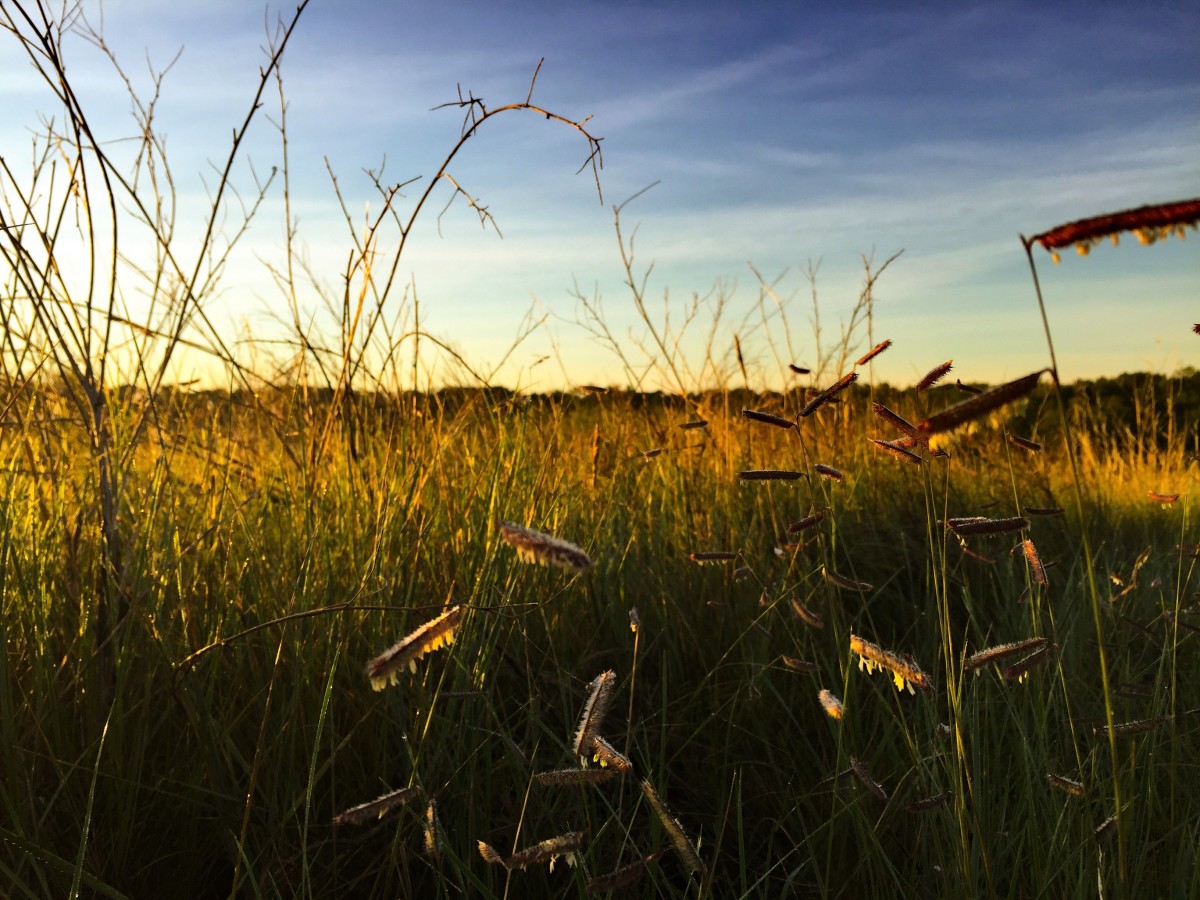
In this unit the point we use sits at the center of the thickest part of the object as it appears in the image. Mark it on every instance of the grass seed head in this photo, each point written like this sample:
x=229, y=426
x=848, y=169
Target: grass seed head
x=375, y=809
x=905, y=672
x=438, y=632
x=544, y=549
x=831, y=704
x=934, y=375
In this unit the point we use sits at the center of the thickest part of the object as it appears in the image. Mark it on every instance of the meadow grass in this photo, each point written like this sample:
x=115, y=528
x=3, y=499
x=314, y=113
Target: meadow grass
x=839, y=641
x=243, y=723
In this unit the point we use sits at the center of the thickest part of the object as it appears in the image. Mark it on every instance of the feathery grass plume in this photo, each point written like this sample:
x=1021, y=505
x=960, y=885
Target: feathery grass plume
x=828, y=472
x=622, y=877
x=831, y=704
x=1035, y=562
x=489, y=853
x=375, y=809
x=896, y=420
x=536, y=547
x=841, y=582
x=767, y=418
x=873, y=352
x=978, y=660
x=805, y=523
x=1074, y=788
x=712, y=556
x=770, y=475
x=1044, y=510
x=549, y=850
x=635, y=621
x=1020, y=670
x=1149, y=223
x=695, y=423
x=905, y=672
x=934, y=375
x=974, y=525
x=800, y=665
x=1137, y=726
x=898, y=452
x=594, y=710
x=967, y=388
x=805, y=614
x=438, y=632
x=1105, y=828
x=828, y=394
x=1025, y=443
x=684, y=848
x=928, y=803
x=974, y=407
x=799, y=370
x=434, y=836
x=1164, y=499
x=575, y=777
x=607, y=755
x=861, y=773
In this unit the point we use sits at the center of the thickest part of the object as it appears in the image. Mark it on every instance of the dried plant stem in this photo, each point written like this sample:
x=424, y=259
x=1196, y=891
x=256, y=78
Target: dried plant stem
x=1090, y=569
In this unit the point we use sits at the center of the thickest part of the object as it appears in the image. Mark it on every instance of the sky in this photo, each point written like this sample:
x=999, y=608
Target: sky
x=795, y=140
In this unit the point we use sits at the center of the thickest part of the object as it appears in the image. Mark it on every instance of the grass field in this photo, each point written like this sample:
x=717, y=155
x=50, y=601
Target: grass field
x=282, y=641
x=259, y=582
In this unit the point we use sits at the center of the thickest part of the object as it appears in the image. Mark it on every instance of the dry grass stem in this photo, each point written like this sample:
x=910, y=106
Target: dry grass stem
x=385, y=669
x=831, y=704
x=1149, y=223
x=594, y=711
x=934, y=375
x=536, y=547
x=375, y=809
x=770, y=475
x=684, y=848
x=981, y=405
x=865, y=778
x=1044, y=510
x=1074, y=788
x=873, y=352
x=905, y=672
x=828, y=394
x=767, y=418
x=978, y=660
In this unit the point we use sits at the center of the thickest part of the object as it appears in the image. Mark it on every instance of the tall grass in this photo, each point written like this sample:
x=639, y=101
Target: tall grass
x=185, y=703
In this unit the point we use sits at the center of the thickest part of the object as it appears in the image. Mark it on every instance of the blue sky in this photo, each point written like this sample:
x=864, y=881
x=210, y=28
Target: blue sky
x=776, y=134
